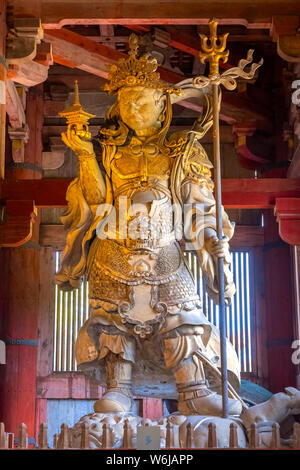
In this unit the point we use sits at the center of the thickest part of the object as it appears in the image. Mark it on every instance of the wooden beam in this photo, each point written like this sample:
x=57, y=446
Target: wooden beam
x=59, y=13
x=47, y=192
x=29, y=74
x=261, y=193
x=245, y=236
x=73, y=50
x=238, y=193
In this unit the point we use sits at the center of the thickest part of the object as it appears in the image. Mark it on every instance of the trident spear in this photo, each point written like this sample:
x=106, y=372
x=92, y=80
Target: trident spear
x=214, y=51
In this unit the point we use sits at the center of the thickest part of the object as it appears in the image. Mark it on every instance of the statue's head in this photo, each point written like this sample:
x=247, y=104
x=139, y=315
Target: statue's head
x=143, y=98
x=141, y=107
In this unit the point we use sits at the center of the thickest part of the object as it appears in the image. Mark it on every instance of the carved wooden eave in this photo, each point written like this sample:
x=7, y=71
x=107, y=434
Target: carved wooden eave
x=22, y=40
x=285, y=32
x=27, y=58
x=254, y=151
x=287, y=212
x=288, y=48
x=56, y=157
x=16, y=227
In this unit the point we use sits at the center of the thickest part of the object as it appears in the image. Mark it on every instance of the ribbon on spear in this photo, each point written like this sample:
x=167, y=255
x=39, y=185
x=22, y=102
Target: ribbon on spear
x=213, y=50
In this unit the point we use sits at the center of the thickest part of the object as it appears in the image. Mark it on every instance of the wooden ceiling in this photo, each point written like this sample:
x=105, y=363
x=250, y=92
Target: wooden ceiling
x=83, y=52
x=86, y=38
x=57, y=13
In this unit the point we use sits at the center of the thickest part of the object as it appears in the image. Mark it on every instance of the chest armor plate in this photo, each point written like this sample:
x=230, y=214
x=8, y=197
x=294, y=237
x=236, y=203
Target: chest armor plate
x=141, y=161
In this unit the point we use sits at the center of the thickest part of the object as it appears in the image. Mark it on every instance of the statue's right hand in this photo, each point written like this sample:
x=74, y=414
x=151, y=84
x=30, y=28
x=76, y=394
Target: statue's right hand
x=82, y=147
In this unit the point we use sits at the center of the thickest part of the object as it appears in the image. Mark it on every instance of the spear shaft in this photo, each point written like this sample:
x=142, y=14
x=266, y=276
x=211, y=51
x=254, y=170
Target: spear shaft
x=219, y=226
x=214, y=51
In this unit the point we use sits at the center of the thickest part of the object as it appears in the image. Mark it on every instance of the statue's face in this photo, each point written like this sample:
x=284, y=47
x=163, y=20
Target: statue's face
x=140, y=107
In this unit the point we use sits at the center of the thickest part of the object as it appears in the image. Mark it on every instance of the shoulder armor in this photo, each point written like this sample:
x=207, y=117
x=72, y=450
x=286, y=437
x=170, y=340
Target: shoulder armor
x=197, y=167
x=177, y=142
x=199, y=156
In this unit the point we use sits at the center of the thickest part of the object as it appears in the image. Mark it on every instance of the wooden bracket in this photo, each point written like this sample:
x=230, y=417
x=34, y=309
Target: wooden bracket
x=27, y=58
x=56, y=157
x=285, y=32
x=17, y=224
x=254, y=150
x=22, y=40
x=287, y=212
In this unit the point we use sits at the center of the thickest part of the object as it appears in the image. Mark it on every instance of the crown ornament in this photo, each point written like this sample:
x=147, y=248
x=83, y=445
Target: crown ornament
x=135, y=71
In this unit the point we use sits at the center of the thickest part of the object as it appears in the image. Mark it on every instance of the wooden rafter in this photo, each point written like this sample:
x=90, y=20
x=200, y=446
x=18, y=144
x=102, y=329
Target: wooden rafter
x=76, y=51
x=73, y=50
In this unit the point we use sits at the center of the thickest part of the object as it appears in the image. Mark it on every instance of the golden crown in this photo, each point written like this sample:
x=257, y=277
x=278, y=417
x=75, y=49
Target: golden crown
x=136, y=71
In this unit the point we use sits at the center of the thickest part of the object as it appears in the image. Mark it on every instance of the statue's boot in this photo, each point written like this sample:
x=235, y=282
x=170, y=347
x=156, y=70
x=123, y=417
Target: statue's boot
x=118, y=397
x=194, y=396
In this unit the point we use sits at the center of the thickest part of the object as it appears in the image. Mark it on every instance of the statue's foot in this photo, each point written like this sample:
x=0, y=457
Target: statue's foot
x=115, y=400
x=206, y=403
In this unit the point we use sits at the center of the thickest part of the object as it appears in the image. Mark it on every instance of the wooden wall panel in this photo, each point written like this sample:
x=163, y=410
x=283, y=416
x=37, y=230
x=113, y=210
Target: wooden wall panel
x=259, y=324
x=46, y=311
x=279, y=297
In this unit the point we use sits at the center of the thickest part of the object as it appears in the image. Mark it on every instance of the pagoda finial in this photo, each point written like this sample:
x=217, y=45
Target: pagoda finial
x=76, y=93
x=77, y=118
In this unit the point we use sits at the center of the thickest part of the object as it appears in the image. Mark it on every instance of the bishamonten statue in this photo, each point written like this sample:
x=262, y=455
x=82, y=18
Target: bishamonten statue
x=131, y=210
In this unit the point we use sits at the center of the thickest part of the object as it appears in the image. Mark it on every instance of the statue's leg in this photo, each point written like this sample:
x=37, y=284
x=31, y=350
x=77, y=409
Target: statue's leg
x=194, y=396
x=118, y=353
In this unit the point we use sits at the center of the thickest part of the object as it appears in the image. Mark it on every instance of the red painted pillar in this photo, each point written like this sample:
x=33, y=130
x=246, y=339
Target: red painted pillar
x=19, y=294
x=18, y=327
x=279, y=298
